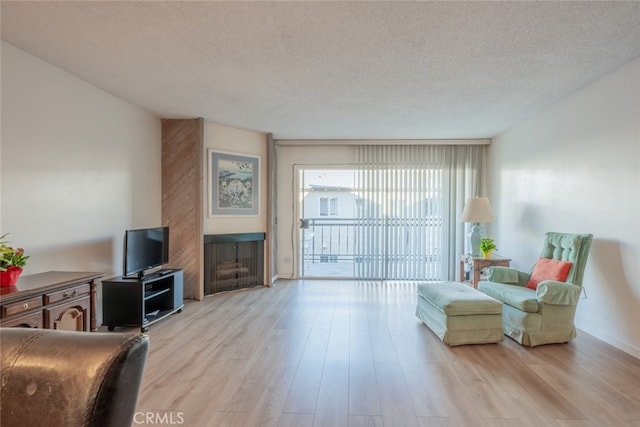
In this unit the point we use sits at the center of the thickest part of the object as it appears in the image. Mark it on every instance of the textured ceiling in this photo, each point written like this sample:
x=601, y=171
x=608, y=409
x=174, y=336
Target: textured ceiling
x=317, y=70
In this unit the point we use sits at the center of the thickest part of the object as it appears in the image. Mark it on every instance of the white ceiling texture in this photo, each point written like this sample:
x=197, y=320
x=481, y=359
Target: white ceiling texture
x=334, y=70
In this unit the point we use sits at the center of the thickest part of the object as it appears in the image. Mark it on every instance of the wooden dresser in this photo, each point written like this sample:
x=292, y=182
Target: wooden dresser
x=52, y=300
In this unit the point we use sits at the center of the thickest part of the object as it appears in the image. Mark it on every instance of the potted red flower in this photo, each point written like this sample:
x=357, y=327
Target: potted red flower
x=12, y=260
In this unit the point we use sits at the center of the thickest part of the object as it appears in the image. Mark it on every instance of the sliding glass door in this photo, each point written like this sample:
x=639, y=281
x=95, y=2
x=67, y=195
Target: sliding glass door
x=369, y=224
x=398, y=224
x=327, y=222
x=395, y=215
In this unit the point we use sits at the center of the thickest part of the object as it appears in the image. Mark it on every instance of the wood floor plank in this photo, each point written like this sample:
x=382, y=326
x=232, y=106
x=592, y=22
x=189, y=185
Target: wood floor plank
x=483, y=379
x=303, y=394
x=605, y=403
x=438, y=422
x=333, y=398
x=429, y=389
x=218, y=419
x=295, y=420
x=339, y=336
x=316, y=346
x=365, y=421
x=382, y=345
x=267, y=408
x=363, y=391
x=349, y=353
x=395, y=400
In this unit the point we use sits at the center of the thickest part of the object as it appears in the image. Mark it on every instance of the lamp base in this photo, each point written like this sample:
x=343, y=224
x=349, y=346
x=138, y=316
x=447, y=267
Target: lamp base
x=475, y=235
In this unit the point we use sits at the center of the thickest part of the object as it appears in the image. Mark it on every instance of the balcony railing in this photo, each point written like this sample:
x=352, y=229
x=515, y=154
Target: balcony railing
x=337, y=247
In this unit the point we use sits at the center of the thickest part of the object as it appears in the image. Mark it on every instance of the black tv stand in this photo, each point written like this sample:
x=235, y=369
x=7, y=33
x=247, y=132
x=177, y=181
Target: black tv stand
x=141, y=302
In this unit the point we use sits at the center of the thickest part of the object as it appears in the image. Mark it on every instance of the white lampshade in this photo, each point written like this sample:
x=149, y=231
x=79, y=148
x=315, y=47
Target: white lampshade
x=477, y=209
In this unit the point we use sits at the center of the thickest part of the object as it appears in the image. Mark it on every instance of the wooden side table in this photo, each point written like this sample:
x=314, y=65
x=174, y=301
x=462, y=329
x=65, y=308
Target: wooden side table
x=477, y=264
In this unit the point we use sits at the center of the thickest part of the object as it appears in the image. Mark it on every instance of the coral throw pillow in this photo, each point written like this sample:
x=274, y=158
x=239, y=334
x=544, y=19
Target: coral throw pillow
x=549, y=269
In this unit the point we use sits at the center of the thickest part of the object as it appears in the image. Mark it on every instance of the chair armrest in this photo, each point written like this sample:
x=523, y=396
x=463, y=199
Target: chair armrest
x=63, y=378
x=557, y=293
x=507, y=275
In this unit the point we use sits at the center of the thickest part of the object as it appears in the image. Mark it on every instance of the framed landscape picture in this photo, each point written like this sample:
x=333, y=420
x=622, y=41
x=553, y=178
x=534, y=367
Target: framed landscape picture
x=234, y=184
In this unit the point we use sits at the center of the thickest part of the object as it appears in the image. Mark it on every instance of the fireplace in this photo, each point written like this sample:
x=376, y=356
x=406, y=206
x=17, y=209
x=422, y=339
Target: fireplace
x=233, y=261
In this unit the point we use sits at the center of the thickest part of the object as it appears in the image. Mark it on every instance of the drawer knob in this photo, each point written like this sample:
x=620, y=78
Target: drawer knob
x=25, y=306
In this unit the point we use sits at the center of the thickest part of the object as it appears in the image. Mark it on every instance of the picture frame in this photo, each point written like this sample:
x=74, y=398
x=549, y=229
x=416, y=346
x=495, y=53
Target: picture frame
x=234, y=184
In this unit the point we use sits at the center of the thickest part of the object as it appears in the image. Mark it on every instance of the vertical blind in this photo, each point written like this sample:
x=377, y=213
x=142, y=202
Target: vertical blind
x=410, y=198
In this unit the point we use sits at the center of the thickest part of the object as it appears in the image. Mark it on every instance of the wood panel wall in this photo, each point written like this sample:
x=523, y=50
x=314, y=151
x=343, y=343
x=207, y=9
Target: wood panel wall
x=272, y=202
x=182, y=194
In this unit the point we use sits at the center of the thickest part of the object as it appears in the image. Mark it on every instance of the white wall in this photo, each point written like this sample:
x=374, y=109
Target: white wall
x=575, y=167
x=236, y=141
x=79, y=166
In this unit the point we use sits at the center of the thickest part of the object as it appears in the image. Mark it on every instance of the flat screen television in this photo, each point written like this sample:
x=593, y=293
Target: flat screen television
x=144, y=249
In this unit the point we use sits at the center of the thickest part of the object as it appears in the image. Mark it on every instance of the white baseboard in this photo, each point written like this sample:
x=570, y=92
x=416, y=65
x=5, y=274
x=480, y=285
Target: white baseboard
x=620, y=345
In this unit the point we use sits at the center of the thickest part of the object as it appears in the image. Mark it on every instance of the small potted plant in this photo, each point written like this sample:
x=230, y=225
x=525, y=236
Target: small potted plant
x=12, y=260
x=487, y=246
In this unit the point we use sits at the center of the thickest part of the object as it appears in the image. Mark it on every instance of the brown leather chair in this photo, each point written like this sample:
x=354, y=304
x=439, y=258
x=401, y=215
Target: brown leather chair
x=60, y=378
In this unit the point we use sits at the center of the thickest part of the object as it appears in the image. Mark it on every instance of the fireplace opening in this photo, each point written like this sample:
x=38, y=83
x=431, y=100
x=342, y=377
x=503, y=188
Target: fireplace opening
x=233, y=261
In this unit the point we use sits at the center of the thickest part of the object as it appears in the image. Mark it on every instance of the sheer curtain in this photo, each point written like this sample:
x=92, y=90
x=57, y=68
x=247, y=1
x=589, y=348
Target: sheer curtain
x=410, y=198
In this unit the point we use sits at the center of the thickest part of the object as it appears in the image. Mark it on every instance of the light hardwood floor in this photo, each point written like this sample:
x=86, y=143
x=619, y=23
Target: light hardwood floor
x=343, y=353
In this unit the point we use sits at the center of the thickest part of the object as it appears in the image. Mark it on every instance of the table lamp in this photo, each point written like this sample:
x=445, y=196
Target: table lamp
x=476, y=210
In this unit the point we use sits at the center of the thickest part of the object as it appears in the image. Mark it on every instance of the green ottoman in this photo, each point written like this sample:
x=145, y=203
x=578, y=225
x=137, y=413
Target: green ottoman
x=459, y=314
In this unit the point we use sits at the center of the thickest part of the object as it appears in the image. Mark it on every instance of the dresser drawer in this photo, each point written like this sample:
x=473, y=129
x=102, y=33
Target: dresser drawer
x=65, y=294
x=32, y=319
x=21, y=306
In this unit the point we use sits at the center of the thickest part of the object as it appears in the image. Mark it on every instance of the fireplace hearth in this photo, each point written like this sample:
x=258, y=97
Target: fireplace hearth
x=233, y=261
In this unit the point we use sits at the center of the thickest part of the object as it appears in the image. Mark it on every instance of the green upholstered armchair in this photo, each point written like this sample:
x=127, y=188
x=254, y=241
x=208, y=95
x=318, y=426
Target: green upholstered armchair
x=544, y=315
